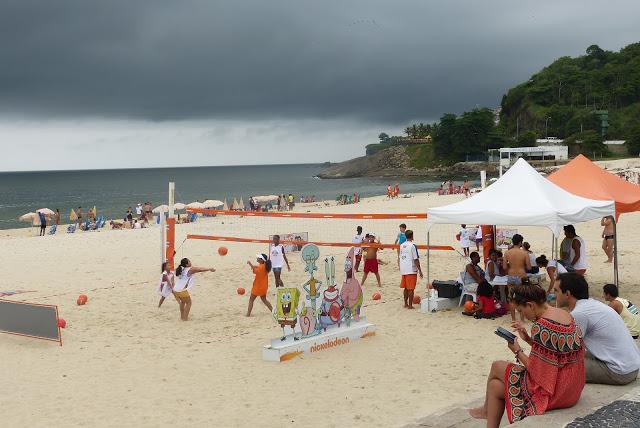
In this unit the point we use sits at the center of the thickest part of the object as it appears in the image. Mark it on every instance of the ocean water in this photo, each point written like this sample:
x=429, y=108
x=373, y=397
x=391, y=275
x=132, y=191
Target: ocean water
x=113, y=191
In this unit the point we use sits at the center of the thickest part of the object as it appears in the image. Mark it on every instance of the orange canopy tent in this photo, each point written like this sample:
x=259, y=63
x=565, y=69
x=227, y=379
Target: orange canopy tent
x=584, y=178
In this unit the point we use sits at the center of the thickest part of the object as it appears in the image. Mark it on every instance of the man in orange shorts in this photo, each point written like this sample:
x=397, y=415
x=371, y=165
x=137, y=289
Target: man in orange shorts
x=409, y=268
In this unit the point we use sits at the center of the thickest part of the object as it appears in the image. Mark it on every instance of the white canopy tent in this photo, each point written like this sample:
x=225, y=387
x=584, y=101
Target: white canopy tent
x=521, y=197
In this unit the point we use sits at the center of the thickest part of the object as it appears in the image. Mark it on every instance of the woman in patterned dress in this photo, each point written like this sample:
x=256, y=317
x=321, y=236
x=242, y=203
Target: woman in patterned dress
x=550, y=377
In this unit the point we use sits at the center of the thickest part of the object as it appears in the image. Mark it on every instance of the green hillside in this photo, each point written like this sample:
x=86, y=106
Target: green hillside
x=568, y=99
x=561, y=99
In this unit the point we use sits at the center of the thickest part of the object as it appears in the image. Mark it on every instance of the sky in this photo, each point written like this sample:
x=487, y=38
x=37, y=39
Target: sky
x=122, y=84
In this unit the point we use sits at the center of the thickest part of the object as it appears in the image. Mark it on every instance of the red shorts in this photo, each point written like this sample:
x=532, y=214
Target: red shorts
x=371, y=265
x=409, y=281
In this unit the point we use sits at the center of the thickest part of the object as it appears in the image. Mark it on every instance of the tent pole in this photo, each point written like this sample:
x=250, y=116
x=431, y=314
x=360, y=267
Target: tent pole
x=615, y=251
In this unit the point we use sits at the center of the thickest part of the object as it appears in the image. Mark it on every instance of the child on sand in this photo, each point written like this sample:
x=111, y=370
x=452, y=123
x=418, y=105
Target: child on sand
x=260, y=282
x=184, y=283
x=486, y=306
x=165, y=287
x=465, y=239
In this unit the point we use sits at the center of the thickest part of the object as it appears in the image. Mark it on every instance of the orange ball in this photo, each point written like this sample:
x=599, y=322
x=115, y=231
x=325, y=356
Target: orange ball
x=223, y=251
x=376, y=296
x=240, y=291
x=82, y=299
x=416, y=300
x=468, y=306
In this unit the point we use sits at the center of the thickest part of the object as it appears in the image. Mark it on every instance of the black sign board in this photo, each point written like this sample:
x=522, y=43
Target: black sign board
x=30, y=319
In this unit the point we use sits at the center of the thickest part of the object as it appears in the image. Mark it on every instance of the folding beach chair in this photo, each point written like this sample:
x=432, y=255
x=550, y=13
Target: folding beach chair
x=53, y=229
x=71, y=228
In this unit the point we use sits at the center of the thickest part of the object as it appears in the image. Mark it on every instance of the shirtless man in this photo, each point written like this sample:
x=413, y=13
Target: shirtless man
x=607, y=237
x=516, y=262
x=371, y=260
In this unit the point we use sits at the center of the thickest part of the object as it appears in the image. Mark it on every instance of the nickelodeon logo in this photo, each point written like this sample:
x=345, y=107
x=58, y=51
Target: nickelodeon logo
x=330, y=344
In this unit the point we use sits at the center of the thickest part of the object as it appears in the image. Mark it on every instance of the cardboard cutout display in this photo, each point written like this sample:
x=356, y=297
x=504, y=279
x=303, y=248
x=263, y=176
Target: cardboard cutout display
x=351, y=292
x=309, y=314
x=332, y=308
x=326, y=320
x=286, y=309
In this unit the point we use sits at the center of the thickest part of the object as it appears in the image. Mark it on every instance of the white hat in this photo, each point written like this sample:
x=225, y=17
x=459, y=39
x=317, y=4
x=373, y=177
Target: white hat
x=260, y=257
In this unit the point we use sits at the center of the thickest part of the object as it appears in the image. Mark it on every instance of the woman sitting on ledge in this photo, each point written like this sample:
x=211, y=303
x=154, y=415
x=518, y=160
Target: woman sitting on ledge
x=550, y=377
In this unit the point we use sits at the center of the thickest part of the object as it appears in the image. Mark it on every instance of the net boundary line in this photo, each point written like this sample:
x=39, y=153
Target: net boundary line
x=374, y=216
x=318, y=243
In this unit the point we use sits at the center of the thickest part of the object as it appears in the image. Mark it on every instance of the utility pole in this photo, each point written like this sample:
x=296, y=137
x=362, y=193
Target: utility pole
x=546, y=127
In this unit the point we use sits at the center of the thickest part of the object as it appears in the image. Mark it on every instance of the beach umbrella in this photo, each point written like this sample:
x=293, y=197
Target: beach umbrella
x=161, y=209
x=45, y=211
x=225, y=206
x=196, y=204
x=212, y=203
x=179, y=206
x=234, y=205
x=27, y=217
x=241, y=204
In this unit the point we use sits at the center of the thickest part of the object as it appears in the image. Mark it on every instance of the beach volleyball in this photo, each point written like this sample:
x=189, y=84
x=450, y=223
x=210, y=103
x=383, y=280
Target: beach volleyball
x=223, y=251
x=240, y=291
x=468, y=306
x=416, y=300
x=82, y=299
x=376, y=296
x=62, y=323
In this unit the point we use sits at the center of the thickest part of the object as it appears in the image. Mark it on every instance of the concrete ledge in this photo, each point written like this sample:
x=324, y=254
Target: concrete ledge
x=593, y=397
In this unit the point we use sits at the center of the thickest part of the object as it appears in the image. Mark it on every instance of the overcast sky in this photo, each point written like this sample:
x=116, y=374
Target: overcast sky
x=110, y=84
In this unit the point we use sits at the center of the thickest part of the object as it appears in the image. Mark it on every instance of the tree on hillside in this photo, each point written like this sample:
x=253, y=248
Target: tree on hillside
x=444, y=139
x=383, y=137
x=526, y=139
x=633, y=141
x=589, y=141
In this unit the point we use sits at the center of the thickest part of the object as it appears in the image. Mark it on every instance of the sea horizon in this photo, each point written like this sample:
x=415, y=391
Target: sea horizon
x=112, y=191
x=165, y=167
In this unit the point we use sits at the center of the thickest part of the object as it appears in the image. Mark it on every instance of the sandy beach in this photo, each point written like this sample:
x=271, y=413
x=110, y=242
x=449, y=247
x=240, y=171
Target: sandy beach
x=127, y=363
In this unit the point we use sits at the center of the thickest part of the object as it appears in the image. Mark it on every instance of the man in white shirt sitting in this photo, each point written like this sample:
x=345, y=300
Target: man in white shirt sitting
x=612, y=356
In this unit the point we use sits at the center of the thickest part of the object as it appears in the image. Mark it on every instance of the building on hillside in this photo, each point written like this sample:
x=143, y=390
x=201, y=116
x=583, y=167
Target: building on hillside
x=617, y=147
x=549, y=141
x=540, y=155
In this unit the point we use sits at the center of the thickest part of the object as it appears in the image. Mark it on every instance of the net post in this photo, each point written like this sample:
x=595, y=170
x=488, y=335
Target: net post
x=171, y=228
x=428, y=255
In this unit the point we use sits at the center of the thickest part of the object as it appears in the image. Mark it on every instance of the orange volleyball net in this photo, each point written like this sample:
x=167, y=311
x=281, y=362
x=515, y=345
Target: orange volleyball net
x=299, y=228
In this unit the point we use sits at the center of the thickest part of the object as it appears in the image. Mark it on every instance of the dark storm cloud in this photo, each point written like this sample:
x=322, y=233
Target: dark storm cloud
x=381, y=61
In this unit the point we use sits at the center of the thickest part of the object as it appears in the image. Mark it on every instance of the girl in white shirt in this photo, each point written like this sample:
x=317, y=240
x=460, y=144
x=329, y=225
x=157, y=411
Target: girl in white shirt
x=165, y=286
x=184, y=283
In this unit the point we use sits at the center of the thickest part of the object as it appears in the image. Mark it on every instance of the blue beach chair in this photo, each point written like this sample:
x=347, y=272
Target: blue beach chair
x=71, y=228
x=53, y=229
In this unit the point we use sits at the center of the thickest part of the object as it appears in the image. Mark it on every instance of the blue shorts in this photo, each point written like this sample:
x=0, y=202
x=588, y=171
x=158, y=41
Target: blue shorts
x=276, y=270
x=514, y=280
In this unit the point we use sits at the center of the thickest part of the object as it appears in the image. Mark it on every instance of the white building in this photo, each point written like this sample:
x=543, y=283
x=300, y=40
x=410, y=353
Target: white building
x=508, y=155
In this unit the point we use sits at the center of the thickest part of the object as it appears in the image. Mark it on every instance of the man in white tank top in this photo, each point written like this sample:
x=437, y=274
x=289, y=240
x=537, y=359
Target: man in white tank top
x=578, y=251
